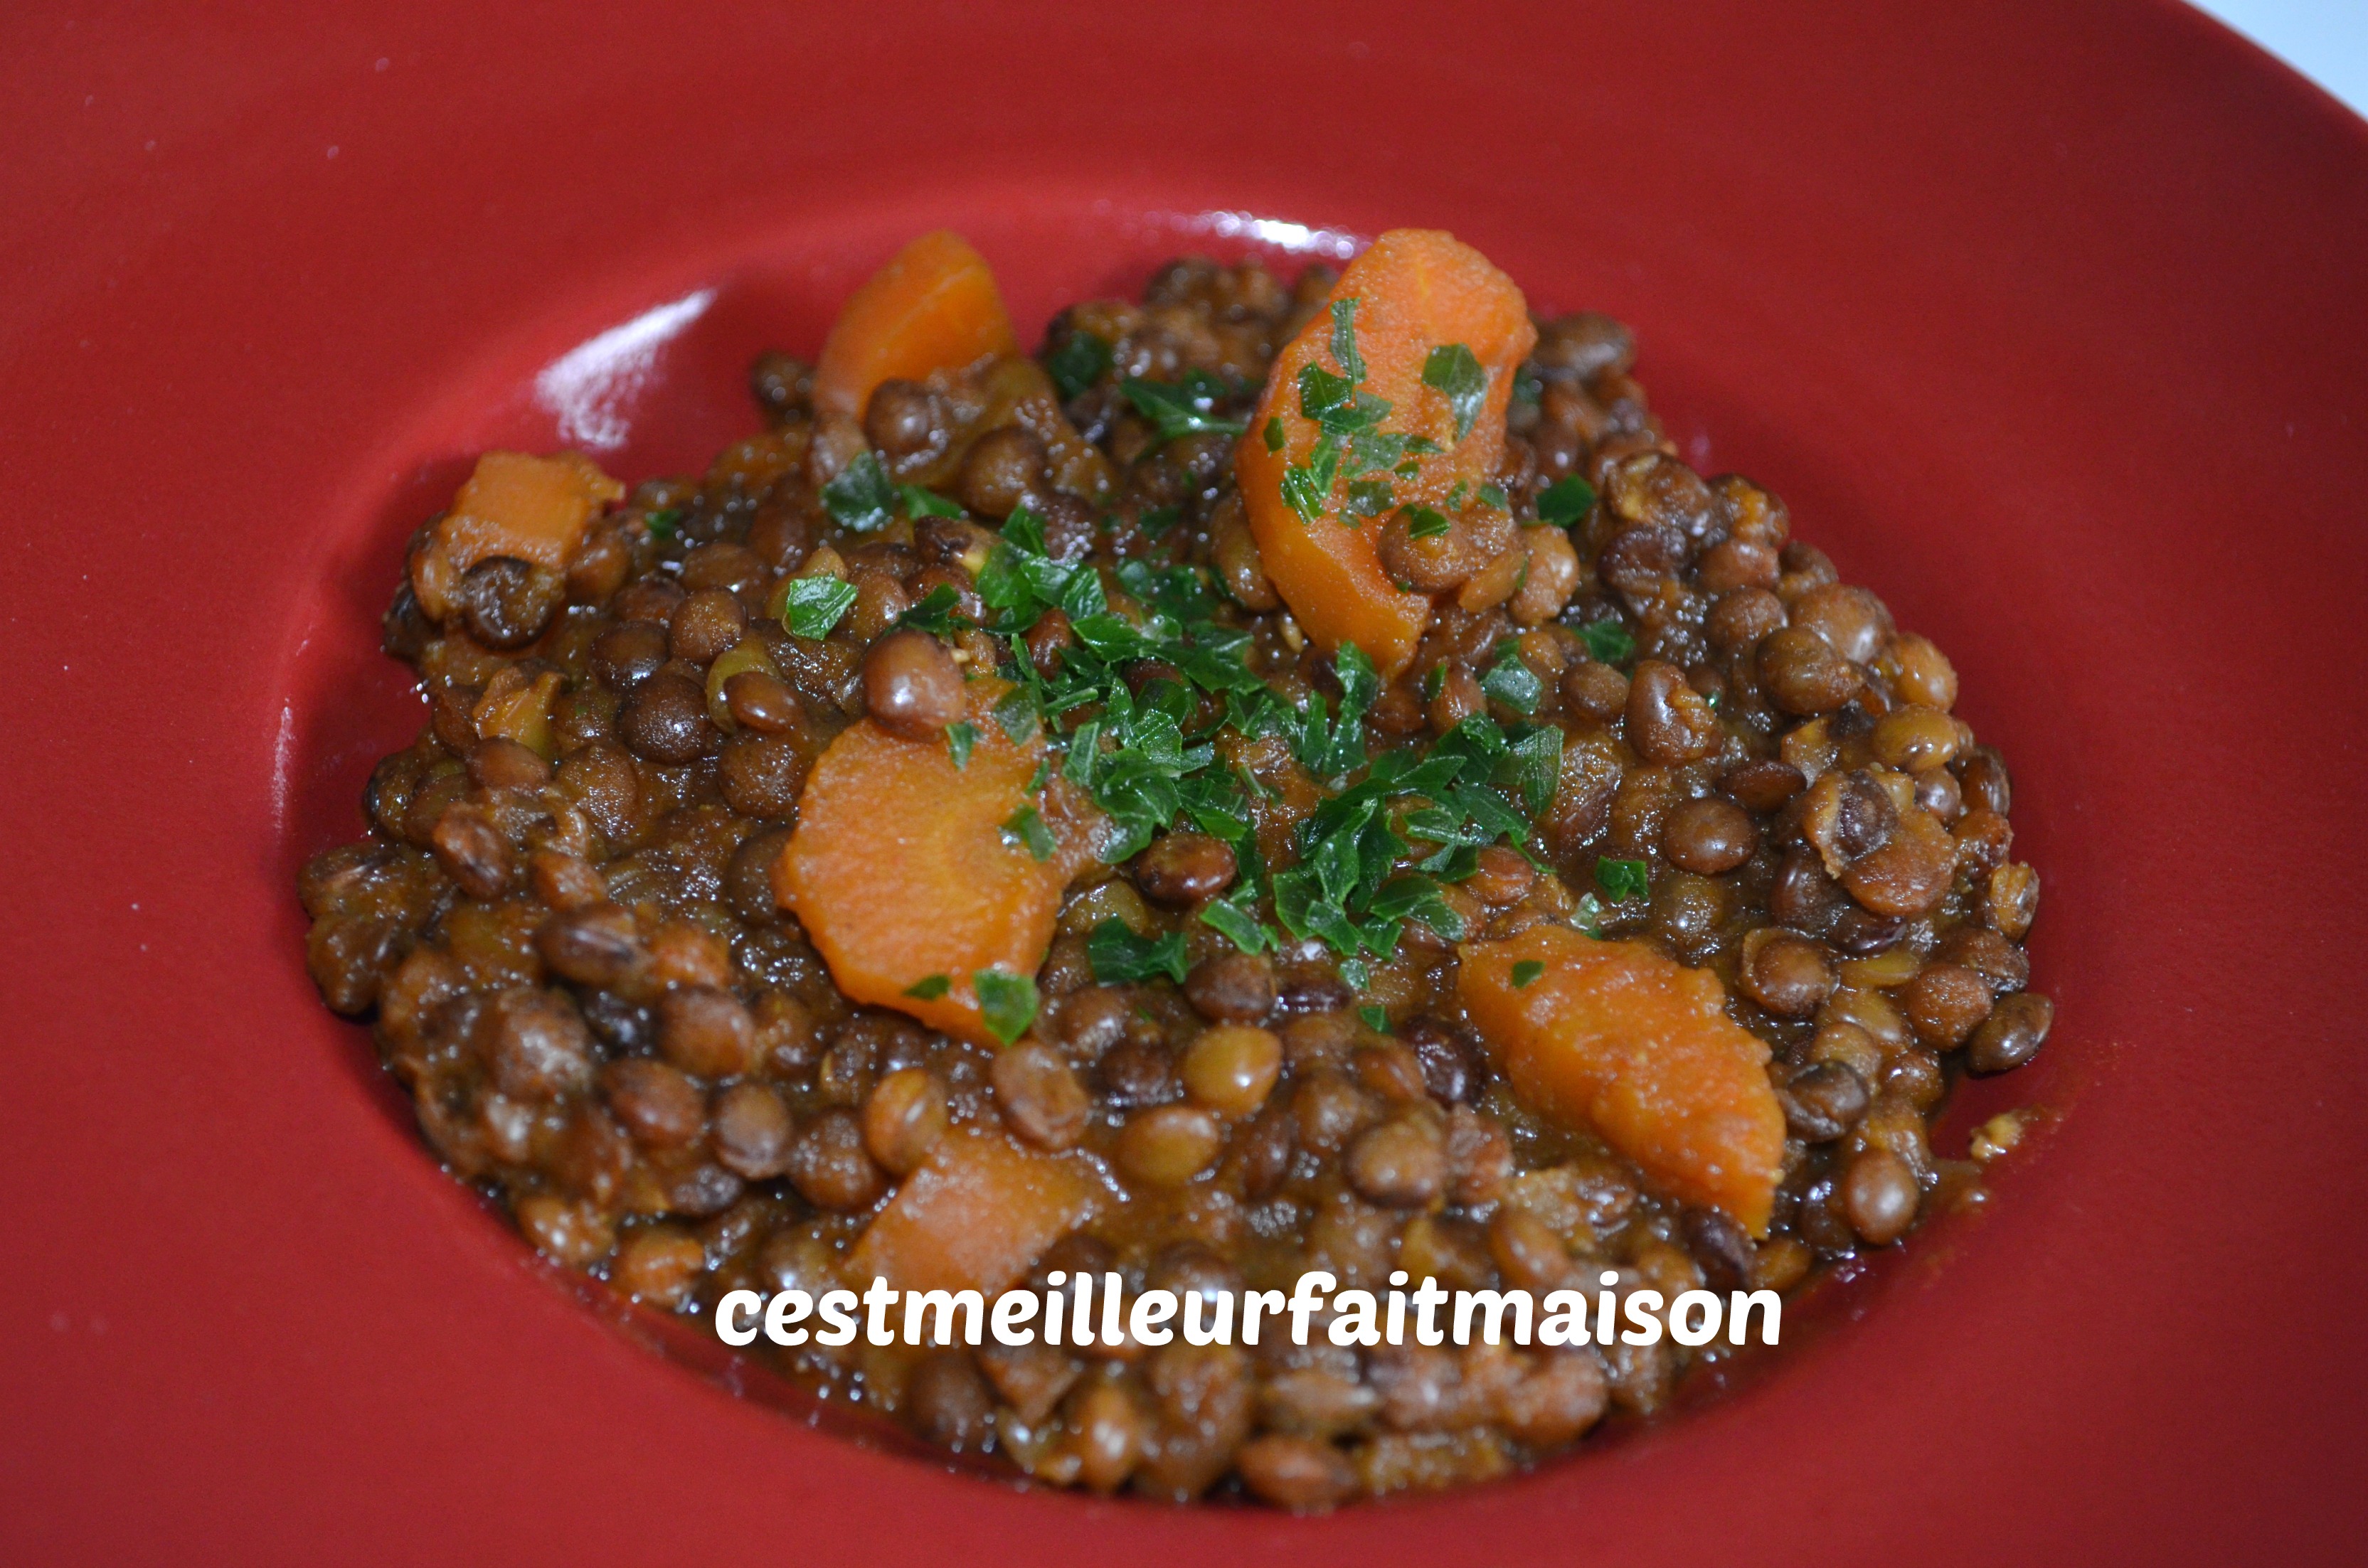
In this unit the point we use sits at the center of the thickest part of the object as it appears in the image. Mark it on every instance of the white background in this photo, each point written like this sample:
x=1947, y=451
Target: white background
x=2327, y=40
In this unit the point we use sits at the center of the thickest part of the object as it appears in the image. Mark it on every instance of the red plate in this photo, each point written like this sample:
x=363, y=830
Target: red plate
x=2049, y=320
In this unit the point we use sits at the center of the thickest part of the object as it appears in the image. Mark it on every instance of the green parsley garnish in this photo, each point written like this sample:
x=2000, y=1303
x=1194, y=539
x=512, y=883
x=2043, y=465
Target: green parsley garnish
x=812, y=606
x=1566, y=501
x=1623, y=879
x=920, y=501
x=861, y=498
x=1376, y=1019
x=1344, y=340
x=1026, y=828
x=1607, y=641
x=1454, y=370
x=1348, y=888
x=1525, y=971
x=1492, y=497
x=1274, y=433
x=1236, y=925
x=1020, y=715
x=1422, y=522
x=1511, y=682
x=1180, y=410
x=1080, y=361
x=930, y=988
x=1330, y=748
x=1367, y=861
x=960, y=739
x=1119, y=957
x=1022, y=581
x=1006, y=1003
x=1159, y=520
x=1369, y=497
x=1348, y=421
x=1307, y=486
x=935, y=613
x=662, y=522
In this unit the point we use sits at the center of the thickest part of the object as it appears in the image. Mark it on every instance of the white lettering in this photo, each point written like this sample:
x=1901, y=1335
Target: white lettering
x=786, y=1308
x=839, y=1311
x=727, y=1313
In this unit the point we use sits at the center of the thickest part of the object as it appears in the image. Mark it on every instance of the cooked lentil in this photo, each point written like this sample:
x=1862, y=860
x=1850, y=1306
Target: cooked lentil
x=563, y=921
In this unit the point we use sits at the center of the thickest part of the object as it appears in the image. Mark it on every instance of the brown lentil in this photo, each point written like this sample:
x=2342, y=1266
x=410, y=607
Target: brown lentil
x=2013, y=1033
x=911, y=685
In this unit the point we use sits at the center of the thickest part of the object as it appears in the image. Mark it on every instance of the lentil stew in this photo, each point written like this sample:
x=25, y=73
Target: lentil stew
x=1292, y=774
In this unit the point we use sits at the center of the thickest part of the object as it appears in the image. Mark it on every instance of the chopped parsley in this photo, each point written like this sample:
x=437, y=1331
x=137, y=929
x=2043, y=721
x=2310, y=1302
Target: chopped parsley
x=1492, y=497
x=1006, y=1003
x=1020, y=581
x=935, y=612
x=812, y=606
x=1274, y=433
x=861, y=498
x=1623, y=879
x=663, y=522
x=1422, y=522
x=1454, y=370
x=1080, y=361
x=1237, y=925
x=1025, y=828
x=1397, y=825
x=1607, y=641
x=960, y=739
x=920, y=501
x=930, y=988
x=1350, y=440
x=1020, y=715
x=1352, y=888
x=1344, y=340
x=1159, y=520
x=1369, y=497
x=1566, y=501
x=1376, y=1019
x=1180, y=410
x=1119, y=957
x=1525, y=971
x=1511, y=682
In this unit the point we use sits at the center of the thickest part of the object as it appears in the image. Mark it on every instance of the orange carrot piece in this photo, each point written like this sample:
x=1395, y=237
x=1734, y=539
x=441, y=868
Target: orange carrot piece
x=533, y=508
x=901, y=872
x=933, y=307
x=976, y=1214
x=1617, y=1037
x=1416, y=290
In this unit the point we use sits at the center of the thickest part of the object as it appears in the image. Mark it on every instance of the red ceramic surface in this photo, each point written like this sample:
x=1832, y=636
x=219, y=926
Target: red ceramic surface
x=2049, y=322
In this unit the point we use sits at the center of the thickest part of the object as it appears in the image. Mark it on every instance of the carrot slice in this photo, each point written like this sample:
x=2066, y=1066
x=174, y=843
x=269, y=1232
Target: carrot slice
x=976, y=1214
x=1415, y=290
x=902, y=874
x=533, y=508
x=1617, y=1037
x=933, y=307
